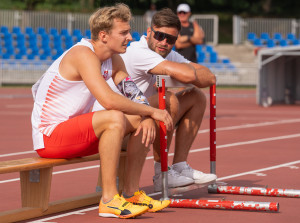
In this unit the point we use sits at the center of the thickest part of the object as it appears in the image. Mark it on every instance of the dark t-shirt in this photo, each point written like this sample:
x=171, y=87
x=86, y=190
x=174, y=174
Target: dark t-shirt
x=189, y=52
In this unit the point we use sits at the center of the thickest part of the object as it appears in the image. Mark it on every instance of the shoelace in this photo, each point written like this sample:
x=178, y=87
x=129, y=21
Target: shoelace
x=173, y=173
x=190, y=169
x=145, y=197
x=124, y=203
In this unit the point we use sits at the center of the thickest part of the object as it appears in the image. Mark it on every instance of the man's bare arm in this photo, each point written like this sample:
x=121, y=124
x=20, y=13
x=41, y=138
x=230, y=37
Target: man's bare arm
x=191, y=73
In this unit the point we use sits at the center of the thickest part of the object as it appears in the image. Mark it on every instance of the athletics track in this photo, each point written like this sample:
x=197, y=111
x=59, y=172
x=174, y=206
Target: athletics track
x=256, y=147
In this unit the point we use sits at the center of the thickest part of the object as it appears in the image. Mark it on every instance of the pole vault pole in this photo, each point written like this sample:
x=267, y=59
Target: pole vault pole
x=272, y=192
x=225, y=205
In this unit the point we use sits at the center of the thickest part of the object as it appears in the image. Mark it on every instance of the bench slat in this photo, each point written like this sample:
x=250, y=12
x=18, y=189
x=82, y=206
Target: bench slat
x=38, y=163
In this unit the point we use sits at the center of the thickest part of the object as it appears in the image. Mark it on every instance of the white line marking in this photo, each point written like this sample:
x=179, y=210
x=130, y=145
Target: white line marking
x=202, y=131
x=171, y=154
x=260, y=170
x=15, y=154
x=45, y=220
x=279, y=122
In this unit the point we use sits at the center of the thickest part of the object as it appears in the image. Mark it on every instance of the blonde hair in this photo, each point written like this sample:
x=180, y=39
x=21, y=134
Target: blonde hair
x=103, y=18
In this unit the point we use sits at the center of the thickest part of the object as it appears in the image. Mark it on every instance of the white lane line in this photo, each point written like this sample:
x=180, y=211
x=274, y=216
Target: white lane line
x=279, y=122
x=171, y=154
x=16, y=154
x=202, y=131
x=81, y=212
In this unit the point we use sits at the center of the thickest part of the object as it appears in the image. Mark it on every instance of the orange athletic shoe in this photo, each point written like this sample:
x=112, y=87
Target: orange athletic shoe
x=140, y=198
x=118, y=207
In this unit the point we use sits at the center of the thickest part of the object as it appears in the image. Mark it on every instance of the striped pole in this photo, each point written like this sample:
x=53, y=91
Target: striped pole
x=225, y=205
x=272, y=192
x=212, y=129
x=163, y=141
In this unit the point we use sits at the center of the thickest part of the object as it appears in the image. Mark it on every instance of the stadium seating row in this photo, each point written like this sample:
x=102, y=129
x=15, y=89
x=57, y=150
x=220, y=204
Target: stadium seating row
x=265, y=40
x=42, y=45
x=38, y=44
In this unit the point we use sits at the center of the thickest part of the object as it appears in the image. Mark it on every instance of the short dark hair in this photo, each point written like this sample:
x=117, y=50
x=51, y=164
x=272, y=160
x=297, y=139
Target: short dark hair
x=166, y=18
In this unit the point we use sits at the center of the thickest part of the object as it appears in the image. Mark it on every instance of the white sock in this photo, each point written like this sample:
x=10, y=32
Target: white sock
x=179, y=166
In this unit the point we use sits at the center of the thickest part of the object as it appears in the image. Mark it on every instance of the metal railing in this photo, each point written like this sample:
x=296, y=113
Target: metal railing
x=242, y=26
x=71, y=21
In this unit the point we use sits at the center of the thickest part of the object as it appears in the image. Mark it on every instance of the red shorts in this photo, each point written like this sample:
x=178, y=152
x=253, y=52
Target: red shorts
x=72, y=138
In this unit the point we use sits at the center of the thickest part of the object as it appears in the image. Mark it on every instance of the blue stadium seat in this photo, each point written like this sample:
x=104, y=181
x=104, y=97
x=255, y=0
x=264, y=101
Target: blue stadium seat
x=64, y=32
x=76, y=32
x=29, y=30
x=270, y=43
x=209, y=48
x=277, y=36
x=43, y=57
x=16, y=30
x=30, y=56
x=53, y=31
x=201, y=57
x=136, y=36
x=283, y=42
x=251, y=36
x=258, y=42
x=213, y=58
x=296, y=42
x=226, y=61
x=4, y=29
x=291, y=36
x=41, y=30
x=264, y=36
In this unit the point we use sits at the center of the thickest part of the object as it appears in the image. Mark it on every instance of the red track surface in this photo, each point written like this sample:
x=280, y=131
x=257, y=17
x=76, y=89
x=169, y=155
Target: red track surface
x=256, y=147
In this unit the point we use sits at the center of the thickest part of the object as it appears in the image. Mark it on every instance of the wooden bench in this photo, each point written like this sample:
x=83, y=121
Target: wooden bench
x=35, y=180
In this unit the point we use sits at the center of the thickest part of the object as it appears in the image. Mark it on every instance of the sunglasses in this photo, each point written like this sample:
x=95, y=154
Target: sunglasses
x=160, y=36
x=182, y=12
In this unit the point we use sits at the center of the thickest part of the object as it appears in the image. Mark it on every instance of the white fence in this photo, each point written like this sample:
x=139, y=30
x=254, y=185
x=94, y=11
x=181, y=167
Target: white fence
x=242, y=26
x=79, y=21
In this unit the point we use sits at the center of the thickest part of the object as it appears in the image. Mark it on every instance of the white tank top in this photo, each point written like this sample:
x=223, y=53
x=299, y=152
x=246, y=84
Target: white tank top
x=57, y=99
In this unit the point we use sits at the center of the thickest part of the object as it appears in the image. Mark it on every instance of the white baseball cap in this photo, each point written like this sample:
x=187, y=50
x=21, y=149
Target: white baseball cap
x=183, y=8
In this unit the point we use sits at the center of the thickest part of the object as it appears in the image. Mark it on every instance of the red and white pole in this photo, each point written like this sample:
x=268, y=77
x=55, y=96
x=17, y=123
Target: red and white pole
x=212, y=129
x=256, y=191
x=163, y=141
x=226, y=205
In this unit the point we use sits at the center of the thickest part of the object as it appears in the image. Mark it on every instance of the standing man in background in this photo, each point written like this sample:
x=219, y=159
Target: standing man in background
x=190, y=35
x=149, y=14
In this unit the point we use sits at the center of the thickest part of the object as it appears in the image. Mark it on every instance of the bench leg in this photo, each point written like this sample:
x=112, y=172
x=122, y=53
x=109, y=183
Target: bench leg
x=35, y=187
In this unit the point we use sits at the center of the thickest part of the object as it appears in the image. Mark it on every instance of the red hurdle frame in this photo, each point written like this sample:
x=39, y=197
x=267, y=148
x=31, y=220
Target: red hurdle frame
x=164, y=81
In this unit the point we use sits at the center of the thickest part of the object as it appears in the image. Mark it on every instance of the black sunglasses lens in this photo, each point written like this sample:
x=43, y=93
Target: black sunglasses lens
x=171, y=39
x=159, y=36
x=182, y=12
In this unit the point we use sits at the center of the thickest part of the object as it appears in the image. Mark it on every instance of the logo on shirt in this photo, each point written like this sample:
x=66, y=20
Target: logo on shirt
x=105, y=75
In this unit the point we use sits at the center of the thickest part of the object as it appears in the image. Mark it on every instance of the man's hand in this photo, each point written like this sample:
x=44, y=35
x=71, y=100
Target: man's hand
x=147, y=125
x=164, y=116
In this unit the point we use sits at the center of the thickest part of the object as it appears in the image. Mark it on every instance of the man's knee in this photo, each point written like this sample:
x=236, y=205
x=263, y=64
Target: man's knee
x=111, y=119
x=199, y=95
x=172, y=103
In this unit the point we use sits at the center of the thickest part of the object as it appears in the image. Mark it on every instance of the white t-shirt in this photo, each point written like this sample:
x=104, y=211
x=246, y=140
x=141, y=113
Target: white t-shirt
x=139, y=59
